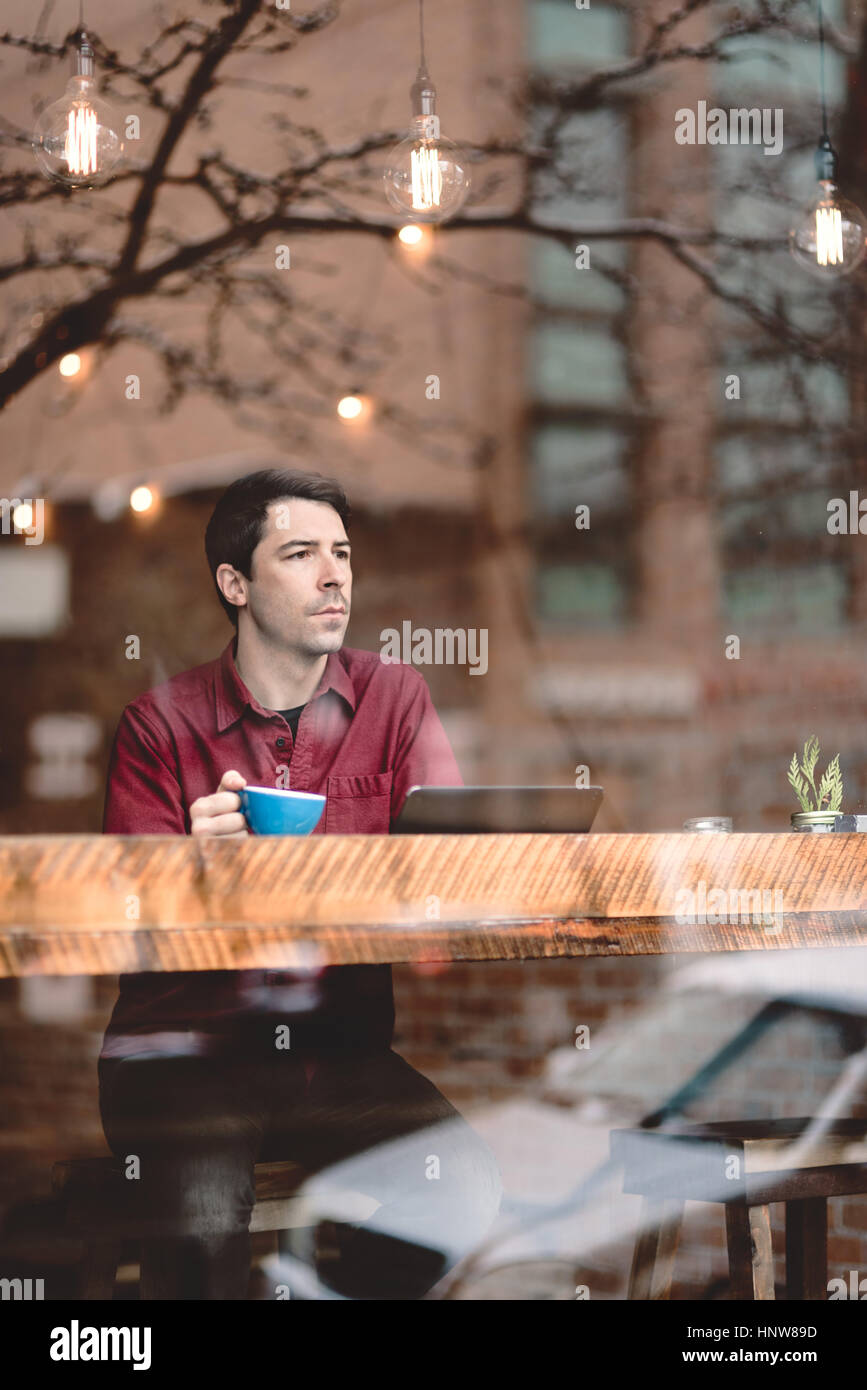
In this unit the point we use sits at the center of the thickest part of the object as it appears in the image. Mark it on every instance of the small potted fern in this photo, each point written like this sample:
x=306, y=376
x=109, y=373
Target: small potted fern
x=819, y=813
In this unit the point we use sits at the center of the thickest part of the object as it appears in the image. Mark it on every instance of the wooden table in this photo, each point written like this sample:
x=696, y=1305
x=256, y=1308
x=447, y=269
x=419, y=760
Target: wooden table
x=102, y=904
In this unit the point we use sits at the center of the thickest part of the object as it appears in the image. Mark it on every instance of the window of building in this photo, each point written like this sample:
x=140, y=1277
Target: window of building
x=780, y=439
x=577, y=360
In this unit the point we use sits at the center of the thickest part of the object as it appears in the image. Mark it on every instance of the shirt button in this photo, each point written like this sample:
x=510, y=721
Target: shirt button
x=280, y=742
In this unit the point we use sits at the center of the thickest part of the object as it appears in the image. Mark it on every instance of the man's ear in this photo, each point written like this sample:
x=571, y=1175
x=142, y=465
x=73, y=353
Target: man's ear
x=232, y=588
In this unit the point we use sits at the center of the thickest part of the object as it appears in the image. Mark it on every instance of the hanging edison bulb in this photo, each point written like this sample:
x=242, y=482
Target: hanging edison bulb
x=829, y=238
x=77, y=140
x=426, y=178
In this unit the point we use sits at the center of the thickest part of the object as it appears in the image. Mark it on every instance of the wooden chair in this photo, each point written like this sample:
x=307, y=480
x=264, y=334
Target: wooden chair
x=95, y=1211
x=746, y=1165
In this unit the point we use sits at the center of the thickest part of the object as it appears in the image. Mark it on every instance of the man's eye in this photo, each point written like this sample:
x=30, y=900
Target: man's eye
x=341, y=554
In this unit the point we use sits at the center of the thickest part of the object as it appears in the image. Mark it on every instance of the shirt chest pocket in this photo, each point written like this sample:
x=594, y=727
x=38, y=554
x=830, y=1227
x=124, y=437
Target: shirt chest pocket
x=358, y=805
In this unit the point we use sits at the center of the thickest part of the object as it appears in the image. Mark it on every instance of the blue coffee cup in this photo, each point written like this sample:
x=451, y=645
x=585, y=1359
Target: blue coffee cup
x=276, y=811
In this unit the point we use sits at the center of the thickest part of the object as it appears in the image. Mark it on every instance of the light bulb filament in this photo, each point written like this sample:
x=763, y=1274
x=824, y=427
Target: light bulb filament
x=829, y=236
x=427, y=182
x=80, y=147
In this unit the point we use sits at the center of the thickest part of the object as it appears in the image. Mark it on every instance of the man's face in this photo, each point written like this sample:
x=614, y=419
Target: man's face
x=301, y=586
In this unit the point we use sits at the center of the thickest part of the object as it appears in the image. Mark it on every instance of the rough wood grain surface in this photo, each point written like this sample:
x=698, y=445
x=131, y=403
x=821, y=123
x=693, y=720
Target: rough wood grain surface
x=98, y=904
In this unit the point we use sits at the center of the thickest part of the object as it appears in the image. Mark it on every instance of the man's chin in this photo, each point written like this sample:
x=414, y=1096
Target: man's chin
x=323, y=642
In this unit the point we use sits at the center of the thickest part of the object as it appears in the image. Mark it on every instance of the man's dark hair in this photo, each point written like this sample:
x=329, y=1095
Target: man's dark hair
x=235, y=527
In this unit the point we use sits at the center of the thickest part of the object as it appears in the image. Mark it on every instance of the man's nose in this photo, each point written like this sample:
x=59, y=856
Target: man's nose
x=331, y=576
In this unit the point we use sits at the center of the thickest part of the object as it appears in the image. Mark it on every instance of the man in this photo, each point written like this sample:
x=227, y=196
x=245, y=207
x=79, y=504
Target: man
x=190, y=1078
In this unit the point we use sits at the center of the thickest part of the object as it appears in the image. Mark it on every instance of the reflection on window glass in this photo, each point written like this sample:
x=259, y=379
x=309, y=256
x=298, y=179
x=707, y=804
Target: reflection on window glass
x=558, y=33
x=590, y=593
x=777, y=465
x=786, y=392
x=583, y=571
x=584, y=178
x=807, y=598
x=577, y=368
x=575, y=465
x=572, y=365
x=557, y=283
x=779, y=65
x=747, y=462
x=802, y=515
x=780, y=564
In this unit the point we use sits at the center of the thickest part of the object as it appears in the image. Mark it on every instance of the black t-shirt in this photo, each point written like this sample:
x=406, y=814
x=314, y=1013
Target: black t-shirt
x=292, y=716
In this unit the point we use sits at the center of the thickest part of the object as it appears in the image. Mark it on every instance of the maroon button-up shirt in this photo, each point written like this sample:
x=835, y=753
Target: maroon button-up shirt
x=368, y=734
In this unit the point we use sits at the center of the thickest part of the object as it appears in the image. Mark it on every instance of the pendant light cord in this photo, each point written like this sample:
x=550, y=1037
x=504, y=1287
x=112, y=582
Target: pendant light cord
x=420, y=31
x=822, y=70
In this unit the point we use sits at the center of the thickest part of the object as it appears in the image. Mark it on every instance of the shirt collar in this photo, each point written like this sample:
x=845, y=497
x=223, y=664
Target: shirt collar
x=232, y=698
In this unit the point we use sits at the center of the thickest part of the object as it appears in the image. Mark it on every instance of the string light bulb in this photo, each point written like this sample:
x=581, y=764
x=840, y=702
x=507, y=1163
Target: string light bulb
x=142, y=498
x=77, y=140
x=350, y=407
x=69, y=365
x=411, y=235
x=425, y=177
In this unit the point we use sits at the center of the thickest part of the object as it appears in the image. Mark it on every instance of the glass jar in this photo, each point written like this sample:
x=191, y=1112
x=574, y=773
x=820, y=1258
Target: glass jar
x=814, y=822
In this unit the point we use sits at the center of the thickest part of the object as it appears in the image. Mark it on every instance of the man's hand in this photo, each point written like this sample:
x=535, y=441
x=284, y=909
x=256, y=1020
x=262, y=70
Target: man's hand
x=220, y=814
